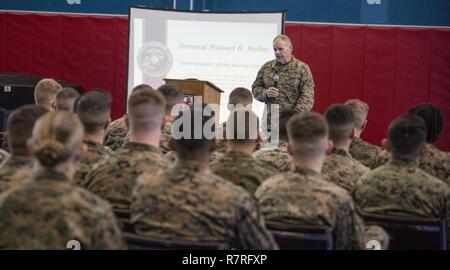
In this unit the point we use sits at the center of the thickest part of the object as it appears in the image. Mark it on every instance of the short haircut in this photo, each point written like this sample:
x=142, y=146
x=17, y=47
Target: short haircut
x=360, y=110
x=20, y=127
x=283, y=120
x=142, y=86
x=242, y=126
x=46, y=91
x=93, y=109
x=433, y=119
x=340, y=122
x=240, y=95
x=56, y=137
x=307, y=132
x=284, y=38
x=65, y=99
x=173, y=95
x=146, y=110
x=407, y=135
x=197, y=141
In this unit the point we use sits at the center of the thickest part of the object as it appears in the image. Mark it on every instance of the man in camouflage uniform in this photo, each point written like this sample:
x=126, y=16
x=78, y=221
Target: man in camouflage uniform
x=431, y=159
x=18, y=167
x=94, y=110
x=174, y=96
x=361, y=150
x=237, y=165
x=340, y=167
x=114, y=179
x=400, y=188
x=303, y=196
x=189, y=202
x=117, y=130
x=285, y=81
x=279, y=158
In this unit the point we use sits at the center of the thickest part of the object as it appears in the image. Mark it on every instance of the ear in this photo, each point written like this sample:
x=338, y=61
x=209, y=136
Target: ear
x=127, y=121
x=289, y=149
x=352, y=135
x=163, y=122
x=81, y=152
x=364, y=125
x=385, y=144
x=30, y=146
x=330, y=146
x=107, y=122
x=53, y=105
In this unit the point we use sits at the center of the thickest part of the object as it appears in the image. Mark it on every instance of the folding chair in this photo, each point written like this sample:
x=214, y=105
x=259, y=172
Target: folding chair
x=137, y=242
x=411, y=233
x=301, y=237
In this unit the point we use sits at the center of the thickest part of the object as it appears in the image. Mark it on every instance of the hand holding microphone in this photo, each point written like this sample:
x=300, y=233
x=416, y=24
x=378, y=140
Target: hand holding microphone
x=273, y=90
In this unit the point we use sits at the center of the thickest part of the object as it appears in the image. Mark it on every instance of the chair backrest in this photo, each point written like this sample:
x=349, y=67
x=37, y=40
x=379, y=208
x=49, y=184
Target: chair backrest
x=411, y=233
x=301, y=237
x=137, y=242
x=123, y=216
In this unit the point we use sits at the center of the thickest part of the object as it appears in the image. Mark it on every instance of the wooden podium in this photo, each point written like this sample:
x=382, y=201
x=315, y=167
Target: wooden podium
x=209, y=92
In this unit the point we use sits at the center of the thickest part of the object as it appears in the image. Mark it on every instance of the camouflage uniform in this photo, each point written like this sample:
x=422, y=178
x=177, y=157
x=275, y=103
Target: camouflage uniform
x=95, y=155
x=431, y=160
x=114, y=179
x=295, y=84
x=190, y=203
x=48, y=211
x=242, y=169
x=115, y=134
x=15, y=170
x=340, y=168
x=400, y=188
x=165, y=138
x=364, y=152
x=171, y=156
x=302, y=196
x=3, y=155
x=278, y=159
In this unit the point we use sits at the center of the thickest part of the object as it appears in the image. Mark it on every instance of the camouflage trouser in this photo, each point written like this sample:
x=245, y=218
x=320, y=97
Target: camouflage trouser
x=378, y=234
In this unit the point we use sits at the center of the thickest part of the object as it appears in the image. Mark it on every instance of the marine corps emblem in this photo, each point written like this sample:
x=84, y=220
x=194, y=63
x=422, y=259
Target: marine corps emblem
x=154, y=59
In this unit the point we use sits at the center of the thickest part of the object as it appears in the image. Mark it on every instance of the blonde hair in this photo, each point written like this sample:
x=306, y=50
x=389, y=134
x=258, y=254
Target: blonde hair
x=146, y=110
x=46, y=91
x=56, y=137
x=360, y=110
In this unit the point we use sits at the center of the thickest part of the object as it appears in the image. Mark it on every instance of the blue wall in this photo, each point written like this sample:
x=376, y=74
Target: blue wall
x=400, y=12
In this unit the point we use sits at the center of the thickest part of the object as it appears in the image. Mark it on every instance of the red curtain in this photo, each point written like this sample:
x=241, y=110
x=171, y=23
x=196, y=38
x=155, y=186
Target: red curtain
x=391, y=68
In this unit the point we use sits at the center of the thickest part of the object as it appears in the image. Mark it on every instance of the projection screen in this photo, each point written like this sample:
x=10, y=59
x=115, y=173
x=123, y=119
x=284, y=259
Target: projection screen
x=225, y=48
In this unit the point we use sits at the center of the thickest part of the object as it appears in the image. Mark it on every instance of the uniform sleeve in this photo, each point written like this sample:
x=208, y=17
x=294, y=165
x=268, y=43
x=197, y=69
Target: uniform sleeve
x=252, y=232
x=258, y=89
x=305, y=101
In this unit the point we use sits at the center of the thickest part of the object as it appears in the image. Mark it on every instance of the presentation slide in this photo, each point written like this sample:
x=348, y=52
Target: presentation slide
x=226, y=49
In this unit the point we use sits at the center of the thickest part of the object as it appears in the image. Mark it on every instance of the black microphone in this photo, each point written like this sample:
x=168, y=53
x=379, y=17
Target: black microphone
x=275, y=79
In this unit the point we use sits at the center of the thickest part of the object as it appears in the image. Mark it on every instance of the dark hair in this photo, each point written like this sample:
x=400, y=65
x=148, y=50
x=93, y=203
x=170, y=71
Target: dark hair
x=20, y=127
x=65, y=99
x=193, y=129
x=93, y=109
x=341, y=122
x=305, y=131
x=407, y=135
x=285, y=115
x=433, y=119
x=240, y=95
x=173, y=95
